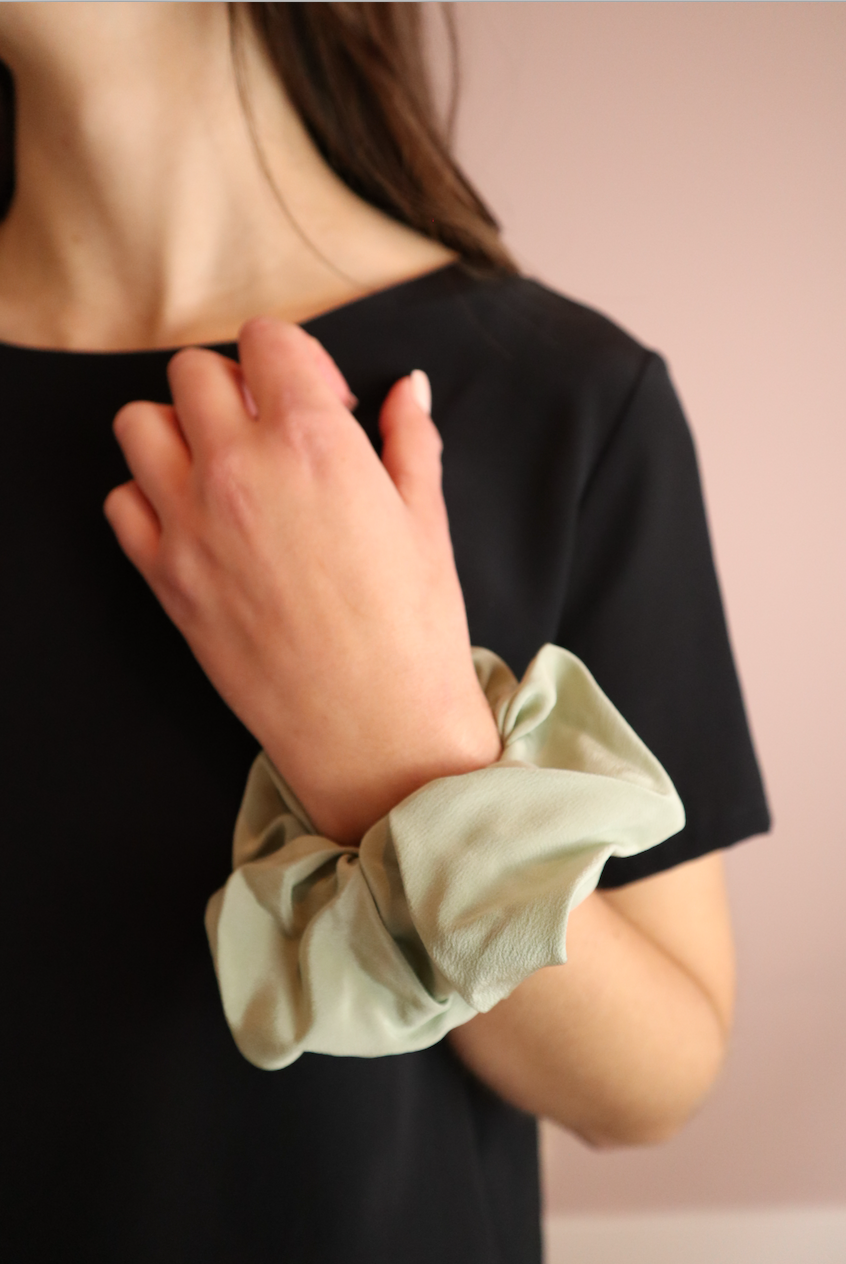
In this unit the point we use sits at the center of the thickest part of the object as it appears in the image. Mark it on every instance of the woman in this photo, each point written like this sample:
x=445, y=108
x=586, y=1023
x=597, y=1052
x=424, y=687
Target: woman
x=166, y=191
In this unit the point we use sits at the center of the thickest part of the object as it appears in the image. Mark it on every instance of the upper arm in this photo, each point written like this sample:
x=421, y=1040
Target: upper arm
x=684, y=911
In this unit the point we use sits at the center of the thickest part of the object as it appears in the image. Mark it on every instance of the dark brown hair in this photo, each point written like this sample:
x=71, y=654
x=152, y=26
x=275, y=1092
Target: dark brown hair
x=356, y=73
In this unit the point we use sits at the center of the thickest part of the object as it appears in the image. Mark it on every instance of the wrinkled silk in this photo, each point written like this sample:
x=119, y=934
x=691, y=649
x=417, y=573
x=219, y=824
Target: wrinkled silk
x=453, y=898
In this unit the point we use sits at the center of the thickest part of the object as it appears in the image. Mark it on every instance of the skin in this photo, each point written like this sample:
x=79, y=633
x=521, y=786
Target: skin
x=268, y=539
x=142, y=217
x=257, y=510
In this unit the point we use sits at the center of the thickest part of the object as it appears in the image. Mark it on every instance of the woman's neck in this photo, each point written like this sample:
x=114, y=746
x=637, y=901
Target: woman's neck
x=142, y=215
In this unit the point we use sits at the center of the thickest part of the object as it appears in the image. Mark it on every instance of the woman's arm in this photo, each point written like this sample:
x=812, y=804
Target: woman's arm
x=317, y=588
x=621, y=1044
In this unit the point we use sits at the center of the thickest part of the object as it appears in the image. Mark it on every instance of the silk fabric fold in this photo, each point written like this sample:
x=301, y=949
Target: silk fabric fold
x=462, y=891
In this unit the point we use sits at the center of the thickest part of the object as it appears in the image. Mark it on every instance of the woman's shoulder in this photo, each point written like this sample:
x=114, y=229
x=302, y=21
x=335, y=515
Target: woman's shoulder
x=553, y=325
x=549, y=356
x=498, y=345
x=525, y=335
x=507, y=314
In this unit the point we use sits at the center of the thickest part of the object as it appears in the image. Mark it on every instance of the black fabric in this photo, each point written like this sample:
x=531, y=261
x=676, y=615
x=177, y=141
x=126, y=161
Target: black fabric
x=134, y=1133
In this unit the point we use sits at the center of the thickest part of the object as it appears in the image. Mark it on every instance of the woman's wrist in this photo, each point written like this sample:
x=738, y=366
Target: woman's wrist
x=457, y=893
x=345, y=799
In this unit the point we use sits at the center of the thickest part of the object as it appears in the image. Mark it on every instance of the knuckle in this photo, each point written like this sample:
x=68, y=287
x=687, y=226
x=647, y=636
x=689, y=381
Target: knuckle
x=305, y=432
x=227, y=483
x=177, y=579
x=225, y=464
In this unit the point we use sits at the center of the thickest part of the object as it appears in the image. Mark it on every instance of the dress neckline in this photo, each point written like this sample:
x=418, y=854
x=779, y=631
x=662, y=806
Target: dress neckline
x=396, y=291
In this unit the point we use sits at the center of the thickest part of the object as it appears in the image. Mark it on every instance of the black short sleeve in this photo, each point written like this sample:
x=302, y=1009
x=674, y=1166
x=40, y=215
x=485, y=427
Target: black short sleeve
x=643, y=611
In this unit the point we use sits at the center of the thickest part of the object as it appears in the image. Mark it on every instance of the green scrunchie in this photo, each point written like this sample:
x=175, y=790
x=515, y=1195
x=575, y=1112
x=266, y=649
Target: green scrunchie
x=453, y=898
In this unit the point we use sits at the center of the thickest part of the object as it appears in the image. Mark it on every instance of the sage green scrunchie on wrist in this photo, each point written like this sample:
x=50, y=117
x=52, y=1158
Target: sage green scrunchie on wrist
x=453, y=898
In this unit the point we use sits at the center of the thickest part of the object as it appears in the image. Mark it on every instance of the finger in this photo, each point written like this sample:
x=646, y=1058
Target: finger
x=209, y=398
x=134, y=522
x=331, y=374
x=155, y=450
x=411, y=445
x=288, y=373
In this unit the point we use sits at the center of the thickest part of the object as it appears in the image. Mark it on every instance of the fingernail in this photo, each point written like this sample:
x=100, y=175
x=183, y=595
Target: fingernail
x=421, y=390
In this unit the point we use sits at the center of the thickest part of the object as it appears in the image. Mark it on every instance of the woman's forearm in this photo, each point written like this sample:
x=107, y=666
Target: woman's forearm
x=622, y=1043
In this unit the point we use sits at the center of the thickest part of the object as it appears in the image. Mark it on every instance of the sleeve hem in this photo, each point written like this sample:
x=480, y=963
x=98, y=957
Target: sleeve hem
x=738, y=828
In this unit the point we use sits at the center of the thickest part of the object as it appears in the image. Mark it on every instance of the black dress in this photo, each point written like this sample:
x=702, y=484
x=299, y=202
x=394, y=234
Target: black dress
x=133, y=1131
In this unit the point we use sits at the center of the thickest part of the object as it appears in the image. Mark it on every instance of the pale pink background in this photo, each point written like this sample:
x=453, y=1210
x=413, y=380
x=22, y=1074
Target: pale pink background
x=681, y=167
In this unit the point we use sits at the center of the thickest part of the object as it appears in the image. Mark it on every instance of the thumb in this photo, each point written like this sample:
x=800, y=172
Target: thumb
x=411, y=445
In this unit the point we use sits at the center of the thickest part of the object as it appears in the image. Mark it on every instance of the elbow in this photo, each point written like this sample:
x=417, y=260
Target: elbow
x=653, y=1117
x=626, y=1129
x=621, y=1134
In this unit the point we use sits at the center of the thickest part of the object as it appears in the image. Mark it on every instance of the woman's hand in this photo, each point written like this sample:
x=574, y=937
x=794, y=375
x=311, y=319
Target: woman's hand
x=314, y=583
